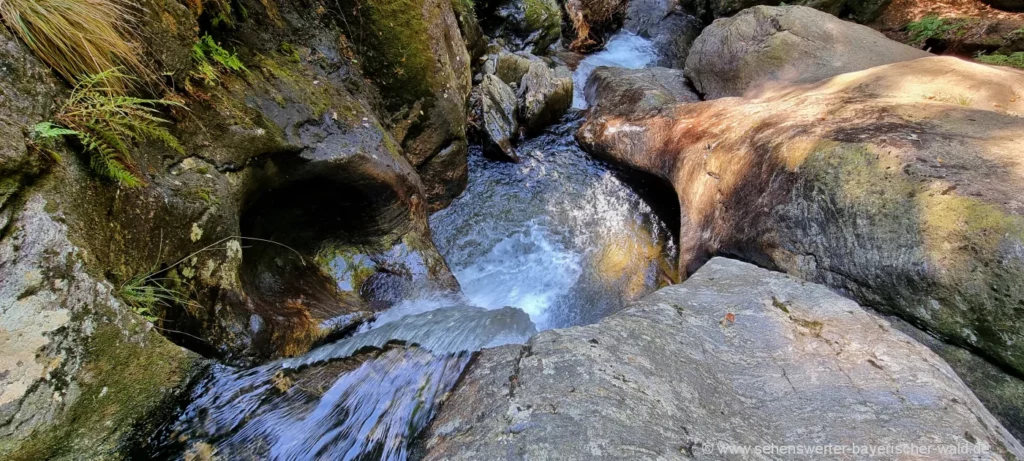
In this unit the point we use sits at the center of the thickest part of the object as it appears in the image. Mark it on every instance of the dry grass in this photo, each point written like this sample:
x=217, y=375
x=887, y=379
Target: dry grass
x=78, y=38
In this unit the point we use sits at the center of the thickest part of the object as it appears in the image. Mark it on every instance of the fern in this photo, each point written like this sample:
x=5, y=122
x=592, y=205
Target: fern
x=1010, y=60
x=105, y=123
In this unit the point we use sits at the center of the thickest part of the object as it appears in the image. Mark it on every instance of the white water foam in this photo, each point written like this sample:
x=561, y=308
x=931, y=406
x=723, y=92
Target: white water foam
x=624, y=49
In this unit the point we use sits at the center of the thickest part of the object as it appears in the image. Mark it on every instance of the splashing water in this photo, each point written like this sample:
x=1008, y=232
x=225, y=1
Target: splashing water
x=624, y=49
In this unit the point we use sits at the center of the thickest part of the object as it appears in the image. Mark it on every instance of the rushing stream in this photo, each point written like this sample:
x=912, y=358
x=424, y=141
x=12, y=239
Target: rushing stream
x=554, y=241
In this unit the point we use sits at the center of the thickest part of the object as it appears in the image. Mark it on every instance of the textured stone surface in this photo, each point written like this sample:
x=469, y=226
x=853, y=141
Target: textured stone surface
x=497, y=107
x=545, y=95
x=901, y=185
x=618, y=90
x=765, y=46
x=735, y=355
x=78, y=370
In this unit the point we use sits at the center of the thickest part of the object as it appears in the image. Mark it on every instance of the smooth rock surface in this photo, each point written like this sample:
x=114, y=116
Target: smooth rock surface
x=736, y=355
x=766, y=46
x=619, y=90
x=901, y=186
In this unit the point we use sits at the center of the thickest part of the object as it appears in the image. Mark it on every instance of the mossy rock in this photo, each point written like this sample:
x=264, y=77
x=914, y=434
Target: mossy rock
x=524, y=25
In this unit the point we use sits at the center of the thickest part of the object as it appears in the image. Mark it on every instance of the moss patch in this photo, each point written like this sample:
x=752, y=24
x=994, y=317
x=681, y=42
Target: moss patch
x=122, y=382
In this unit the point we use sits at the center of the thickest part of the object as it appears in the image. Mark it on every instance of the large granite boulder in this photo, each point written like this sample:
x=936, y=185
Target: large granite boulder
x=764, y=46
x=736, y=356
x=900, y=185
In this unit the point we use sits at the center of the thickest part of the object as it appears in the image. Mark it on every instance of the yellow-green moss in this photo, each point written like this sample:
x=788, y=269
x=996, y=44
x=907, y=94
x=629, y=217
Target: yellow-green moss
x=395, y=46
x=121, y=383
x=546, y=16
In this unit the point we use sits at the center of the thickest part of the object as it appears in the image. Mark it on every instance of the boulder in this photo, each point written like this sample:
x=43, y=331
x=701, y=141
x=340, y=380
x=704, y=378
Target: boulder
x=667, y=25
x=900, y=186
x=592, y=21
x=736, y=356
x=496, y=107
x=765, y=46
x=511, y=67
x=415, y=54
x=619, y=90
x=863, y=11
x=79, y=371
x=545, y=95
x=525, y=25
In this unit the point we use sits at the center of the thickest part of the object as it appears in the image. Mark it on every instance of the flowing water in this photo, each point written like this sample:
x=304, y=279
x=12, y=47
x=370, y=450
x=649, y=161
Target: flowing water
x=553, y=241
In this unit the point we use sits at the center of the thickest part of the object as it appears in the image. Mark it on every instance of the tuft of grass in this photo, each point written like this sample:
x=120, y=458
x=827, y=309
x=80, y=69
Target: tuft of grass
x=105, y=123
x=79, y=38
x=1010, y=60
x=148, y=294
x=929, y=27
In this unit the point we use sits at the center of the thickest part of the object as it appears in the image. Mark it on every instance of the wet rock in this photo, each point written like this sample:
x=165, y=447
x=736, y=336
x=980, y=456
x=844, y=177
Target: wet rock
x=619, y=90
x=525, y=25
x=511, y=67
x=592, y=21
x=668, y=25
x=78, y=369
x=735, y=355
x=497, y=113
x=899, y=185
x=764, y=46
x=545, y=95
x=415, y=54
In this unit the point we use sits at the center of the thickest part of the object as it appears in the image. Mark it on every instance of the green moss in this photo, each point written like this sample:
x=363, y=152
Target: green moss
x=779, y=305
x=122, y=382
x=396, y=48
x=350, y=266
x=544, y=15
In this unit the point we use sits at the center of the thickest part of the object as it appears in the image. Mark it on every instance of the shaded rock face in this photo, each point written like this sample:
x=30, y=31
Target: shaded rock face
x=417, y=57
x=626, y=91
x=525, y=25
x=1006, y=5
x=900, y=185
x=735, y=355
x=26, y=98
x=765, y=46
x=497, y=107
x=78, y=369
x=862, y=11
x=668, y=25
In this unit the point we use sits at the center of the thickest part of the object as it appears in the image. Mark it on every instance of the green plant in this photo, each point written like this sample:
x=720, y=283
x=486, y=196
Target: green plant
x=146, y=294
x=206, y=52
x=928, y=27
x=105, y=122
x=78, y=38
x=1011, y=60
